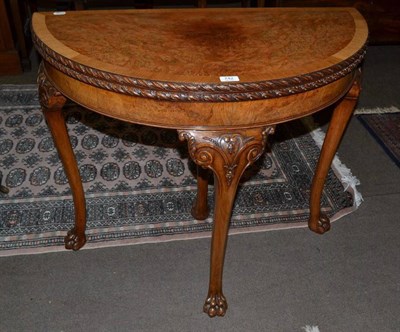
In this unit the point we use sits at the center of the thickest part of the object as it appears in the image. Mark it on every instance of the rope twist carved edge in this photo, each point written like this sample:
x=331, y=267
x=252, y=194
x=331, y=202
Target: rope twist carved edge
x=198, y=92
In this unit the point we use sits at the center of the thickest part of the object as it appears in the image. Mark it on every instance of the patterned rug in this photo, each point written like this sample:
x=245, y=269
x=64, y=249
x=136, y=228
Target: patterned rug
x=139, y=181
x=384, y=126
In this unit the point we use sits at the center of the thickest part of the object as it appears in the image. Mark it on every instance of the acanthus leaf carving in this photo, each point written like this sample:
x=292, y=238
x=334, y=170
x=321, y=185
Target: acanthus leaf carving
x=49, y=96
x=230, y=152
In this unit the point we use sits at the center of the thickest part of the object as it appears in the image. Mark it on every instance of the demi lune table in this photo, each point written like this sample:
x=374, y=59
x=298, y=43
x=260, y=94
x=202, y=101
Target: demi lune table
x=224, y=78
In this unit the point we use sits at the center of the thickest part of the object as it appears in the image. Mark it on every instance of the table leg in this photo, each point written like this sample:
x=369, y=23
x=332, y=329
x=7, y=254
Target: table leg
x=52, y=102
x=200, y=210
x=319, y=222
x=227, y=155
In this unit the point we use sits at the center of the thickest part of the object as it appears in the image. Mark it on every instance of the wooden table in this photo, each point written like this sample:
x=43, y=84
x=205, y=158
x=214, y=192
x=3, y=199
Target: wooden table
x=224, y=78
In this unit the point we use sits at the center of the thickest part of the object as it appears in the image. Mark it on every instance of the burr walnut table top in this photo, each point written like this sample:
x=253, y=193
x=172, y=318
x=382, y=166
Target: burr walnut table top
x=218, y=56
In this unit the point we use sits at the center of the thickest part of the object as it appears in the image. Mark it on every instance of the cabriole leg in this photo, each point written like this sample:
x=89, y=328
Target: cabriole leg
x=227, y=155
x=319, y=222
x=200, y=210
x=52, y=102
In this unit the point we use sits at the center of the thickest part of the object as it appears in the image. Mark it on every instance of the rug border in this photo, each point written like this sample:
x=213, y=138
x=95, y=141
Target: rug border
x=340, y=170
x=376, y=110
x=377, y=138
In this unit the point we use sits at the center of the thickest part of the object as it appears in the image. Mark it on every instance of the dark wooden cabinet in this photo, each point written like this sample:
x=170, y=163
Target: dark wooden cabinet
x=9, y=56
x=382, y=16
x=16, y=42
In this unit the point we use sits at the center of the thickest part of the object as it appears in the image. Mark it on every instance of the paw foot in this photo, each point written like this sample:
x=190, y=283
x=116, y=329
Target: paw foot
x=322, y=225
x=215, y=305
x=73, y=240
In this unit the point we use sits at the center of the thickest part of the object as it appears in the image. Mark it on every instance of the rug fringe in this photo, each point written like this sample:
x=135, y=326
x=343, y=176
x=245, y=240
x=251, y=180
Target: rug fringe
x=377, y=110
x=310, y=328
x=348, y=179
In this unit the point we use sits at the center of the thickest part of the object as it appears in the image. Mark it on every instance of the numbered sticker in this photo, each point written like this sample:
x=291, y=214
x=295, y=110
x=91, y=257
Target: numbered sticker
x=229, y=78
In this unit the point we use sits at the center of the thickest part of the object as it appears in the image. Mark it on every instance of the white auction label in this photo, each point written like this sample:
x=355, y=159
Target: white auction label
x=59, y=13
x=229, y=78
